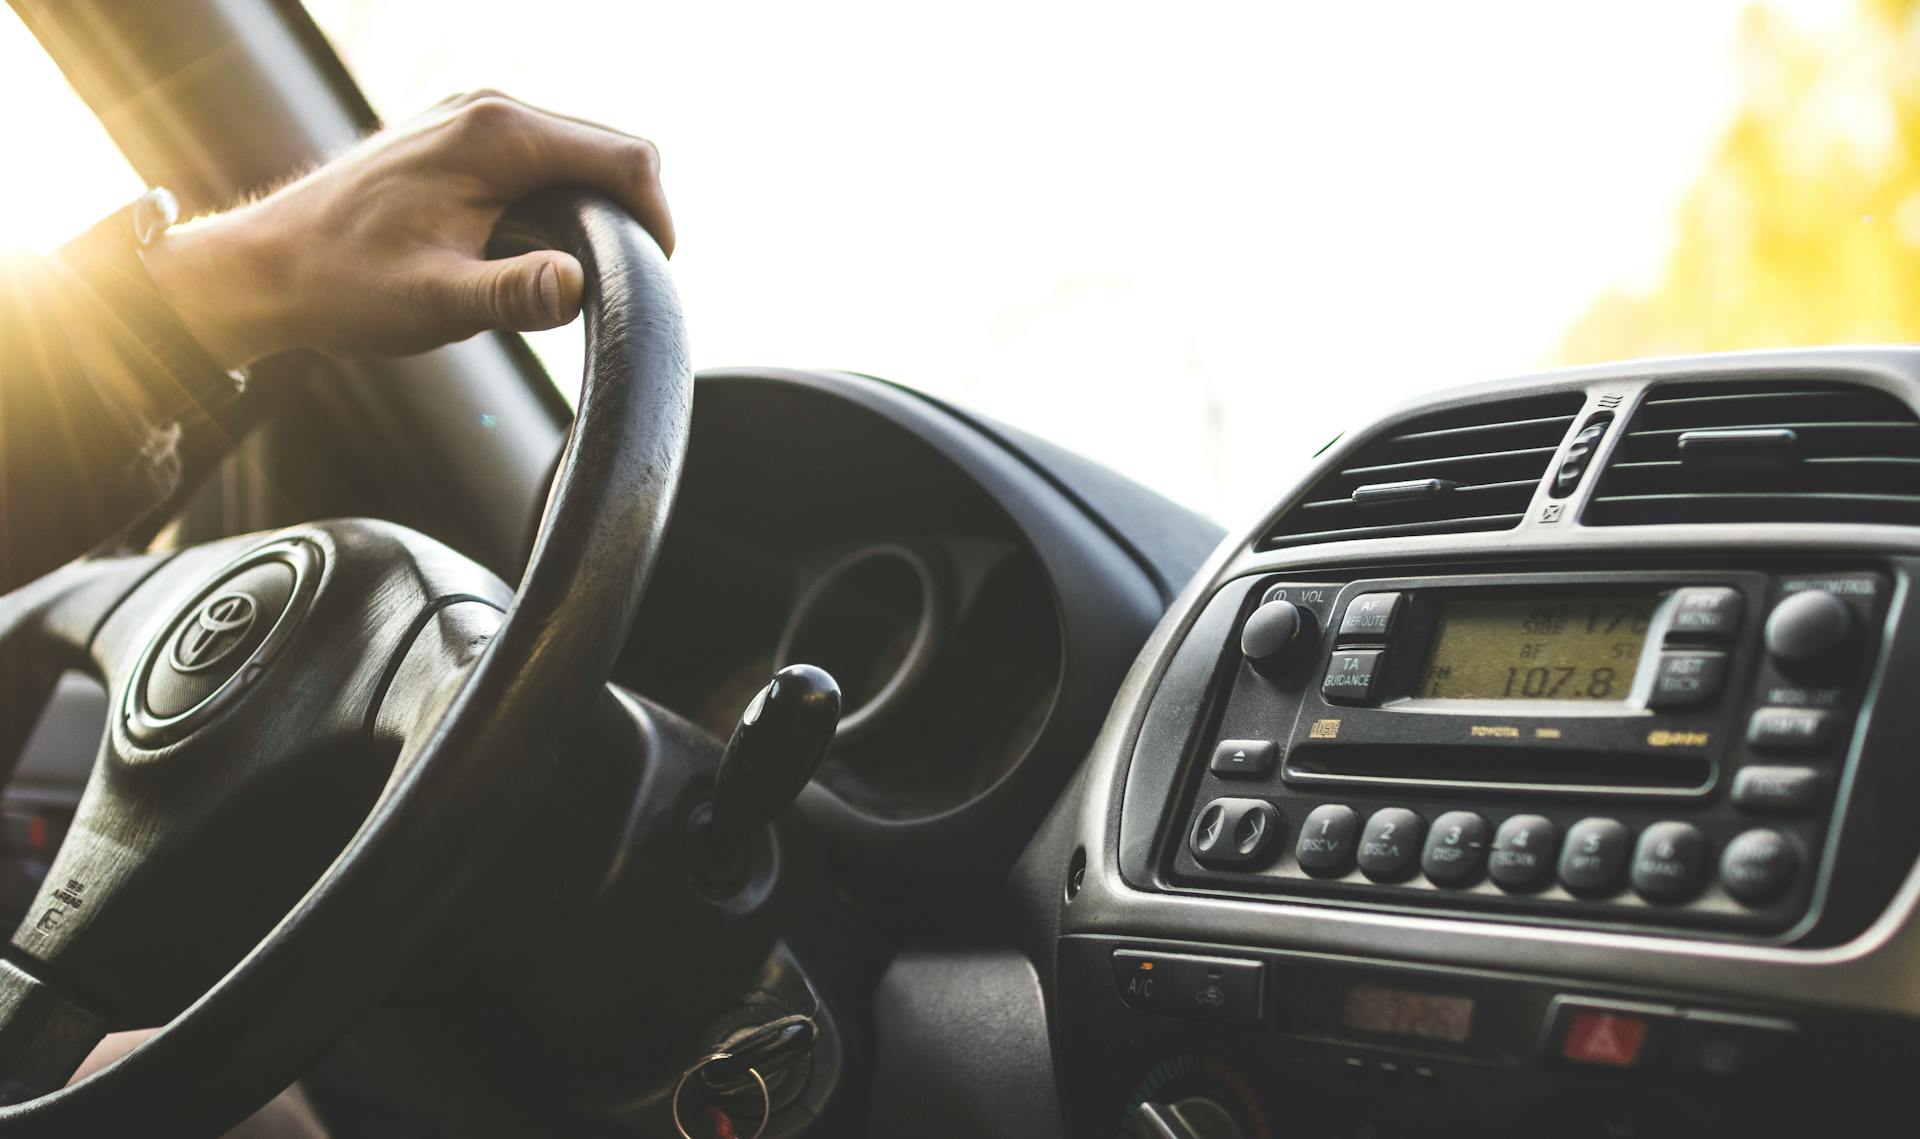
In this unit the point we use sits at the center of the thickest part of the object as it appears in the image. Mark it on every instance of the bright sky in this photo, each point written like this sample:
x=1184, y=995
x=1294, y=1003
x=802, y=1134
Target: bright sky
x=1190, y=241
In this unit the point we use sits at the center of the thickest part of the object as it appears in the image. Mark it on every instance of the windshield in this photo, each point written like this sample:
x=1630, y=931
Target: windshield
x=1193, y=241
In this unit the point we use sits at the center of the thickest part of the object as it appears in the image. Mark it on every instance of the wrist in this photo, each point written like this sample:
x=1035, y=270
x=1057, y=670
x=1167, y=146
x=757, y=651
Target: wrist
x=218, y=274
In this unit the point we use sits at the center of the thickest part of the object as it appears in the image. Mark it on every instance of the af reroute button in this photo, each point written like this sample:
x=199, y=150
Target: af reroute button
x=216, y=643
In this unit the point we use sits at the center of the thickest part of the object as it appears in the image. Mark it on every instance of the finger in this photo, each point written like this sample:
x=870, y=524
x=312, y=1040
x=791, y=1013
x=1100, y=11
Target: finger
x=521, y=149
x=527, y=293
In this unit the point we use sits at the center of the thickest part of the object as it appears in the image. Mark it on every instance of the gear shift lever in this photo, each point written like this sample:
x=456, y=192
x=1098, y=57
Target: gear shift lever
x=780, y=740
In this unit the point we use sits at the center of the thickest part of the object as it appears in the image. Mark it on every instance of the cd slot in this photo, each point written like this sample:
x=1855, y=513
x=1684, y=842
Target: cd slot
x=1501, y=768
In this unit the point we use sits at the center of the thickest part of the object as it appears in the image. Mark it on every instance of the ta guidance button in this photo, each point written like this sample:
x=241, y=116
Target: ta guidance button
x=1352, y=676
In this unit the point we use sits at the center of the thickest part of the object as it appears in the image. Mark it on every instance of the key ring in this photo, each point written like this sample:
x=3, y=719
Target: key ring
x=766, y=1097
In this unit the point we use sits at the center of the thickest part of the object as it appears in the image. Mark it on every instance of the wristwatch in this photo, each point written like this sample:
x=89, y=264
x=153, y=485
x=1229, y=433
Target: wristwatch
x=179, y=374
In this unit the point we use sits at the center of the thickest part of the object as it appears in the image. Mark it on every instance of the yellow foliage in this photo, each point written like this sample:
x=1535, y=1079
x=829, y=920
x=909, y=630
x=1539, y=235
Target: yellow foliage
x=1805, y=226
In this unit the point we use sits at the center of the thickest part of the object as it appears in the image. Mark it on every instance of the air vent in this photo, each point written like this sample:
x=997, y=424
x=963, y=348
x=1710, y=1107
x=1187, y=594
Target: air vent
x=1764, y=451
x=1448, y=473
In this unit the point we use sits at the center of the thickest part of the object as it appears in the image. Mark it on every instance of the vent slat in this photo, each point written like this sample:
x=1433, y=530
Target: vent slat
x=1438, y=526
x=1491, y=456
x=1531, y=456
x=1854, y=456
x=1547, y=424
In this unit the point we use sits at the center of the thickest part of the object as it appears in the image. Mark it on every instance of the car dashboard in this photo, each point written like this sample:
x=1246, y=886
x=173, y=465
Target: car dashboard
x=1538, y=763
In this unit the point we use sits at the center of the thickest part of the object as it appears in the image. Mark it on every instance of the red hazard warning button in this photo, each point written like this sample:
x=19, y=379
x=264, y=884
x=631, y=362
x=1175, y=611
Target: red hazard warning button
x=1604, y=1038
x=1604, y=1033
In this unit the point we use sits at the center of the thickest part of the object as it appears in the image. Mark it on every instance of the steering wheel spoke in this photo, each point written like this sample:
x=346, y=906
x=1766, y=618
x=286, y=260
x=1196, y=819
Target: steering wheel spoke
x=44, y=1035
x=58, y=615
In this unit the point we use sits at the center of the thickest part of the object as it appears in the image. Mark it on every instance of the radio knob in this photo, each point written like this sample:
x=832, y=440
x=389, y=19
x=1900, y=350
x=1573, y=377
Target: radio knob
x=1809, y=628
x=1275, y=633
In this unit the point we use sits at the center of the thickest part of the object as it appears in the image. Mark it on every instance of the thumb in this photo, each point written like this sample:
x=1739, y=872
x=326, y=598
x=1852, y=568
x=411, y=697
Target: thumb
x=525, y=293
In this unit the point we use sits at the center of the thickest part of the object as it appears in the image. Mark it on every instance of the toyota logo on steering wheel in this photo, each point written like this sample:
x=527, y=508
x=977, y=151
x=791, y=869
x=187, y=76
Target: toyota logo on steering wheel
x=214, y=631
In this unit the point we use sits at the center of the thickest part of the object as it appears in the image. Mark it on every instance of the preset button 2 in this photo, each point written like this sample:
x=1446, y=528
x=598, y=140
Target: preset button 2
x=1390, y=846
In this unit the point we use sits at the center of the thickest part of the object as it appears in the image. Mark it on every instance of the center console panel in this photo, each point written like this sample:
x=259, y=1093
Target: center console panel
x=1579, y=821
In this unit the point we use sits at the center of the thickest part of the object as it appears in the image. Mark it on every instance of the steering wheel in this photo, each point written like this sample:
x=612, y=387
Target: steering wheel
x=318, y=739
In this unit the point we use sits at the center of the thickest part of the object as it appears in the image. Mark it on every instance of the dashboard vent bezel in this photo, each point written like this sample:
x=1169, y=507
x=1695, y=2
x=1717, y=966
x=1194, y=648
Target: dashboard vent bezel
x=1469, y=469
x=1762, y=450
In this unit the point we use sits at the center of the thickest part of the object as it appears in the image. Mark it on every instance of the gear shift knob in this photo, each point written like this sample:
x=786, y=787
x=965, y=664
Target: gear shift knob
x=780, y=740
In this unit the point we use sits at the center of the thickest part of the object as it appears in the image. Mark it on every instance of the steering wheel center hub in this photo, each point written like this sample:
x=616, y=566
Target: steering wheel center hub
x=217, y=644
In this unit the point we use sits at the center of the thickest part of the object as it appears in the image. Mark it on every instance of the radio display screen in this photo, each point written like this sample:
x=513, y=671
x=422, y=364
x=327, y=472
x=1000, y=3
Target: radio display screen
x=1538, y=647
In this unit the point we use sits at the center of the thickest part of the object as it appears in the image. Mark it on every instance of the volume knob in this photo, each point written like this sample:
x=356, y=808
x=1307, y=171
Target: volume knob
x=1809, y=628
x=1276, y=632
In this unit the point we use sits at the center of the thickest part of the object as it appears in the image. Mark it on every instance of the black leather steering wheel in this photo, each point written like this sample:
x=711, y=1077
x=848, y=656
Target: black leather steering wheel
x=319, y=739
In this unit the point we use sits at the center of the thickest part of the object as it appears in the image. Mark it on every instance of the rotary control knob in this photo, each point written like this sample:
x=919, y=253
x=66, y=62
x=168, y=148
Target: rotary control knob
x=1809, y=628
x=1196, y=1117
x=1275, y=633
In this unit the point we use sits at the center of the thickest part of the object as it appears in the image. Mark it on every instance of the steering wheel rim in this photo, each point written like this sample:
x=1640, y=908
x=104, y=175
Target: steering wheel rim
x=462, y=780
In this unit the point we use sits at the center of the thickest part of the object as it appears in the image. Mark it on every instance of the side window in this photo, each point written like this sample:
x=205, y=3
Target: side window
x=63, y=171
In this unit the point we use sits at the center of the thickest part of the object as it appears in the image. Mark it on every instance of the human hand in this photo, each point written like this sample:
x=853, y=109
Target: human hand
x=380, y=251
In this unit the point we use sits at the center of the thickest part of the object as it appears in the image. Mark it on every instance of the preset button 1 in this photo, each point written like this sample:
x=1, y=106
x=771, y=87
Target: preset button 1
x=1327, y=840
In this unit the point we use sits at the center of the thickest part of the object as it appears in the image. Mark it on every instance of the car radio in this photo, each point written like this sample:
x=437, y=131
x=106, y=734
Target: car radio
x=1642, y=747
